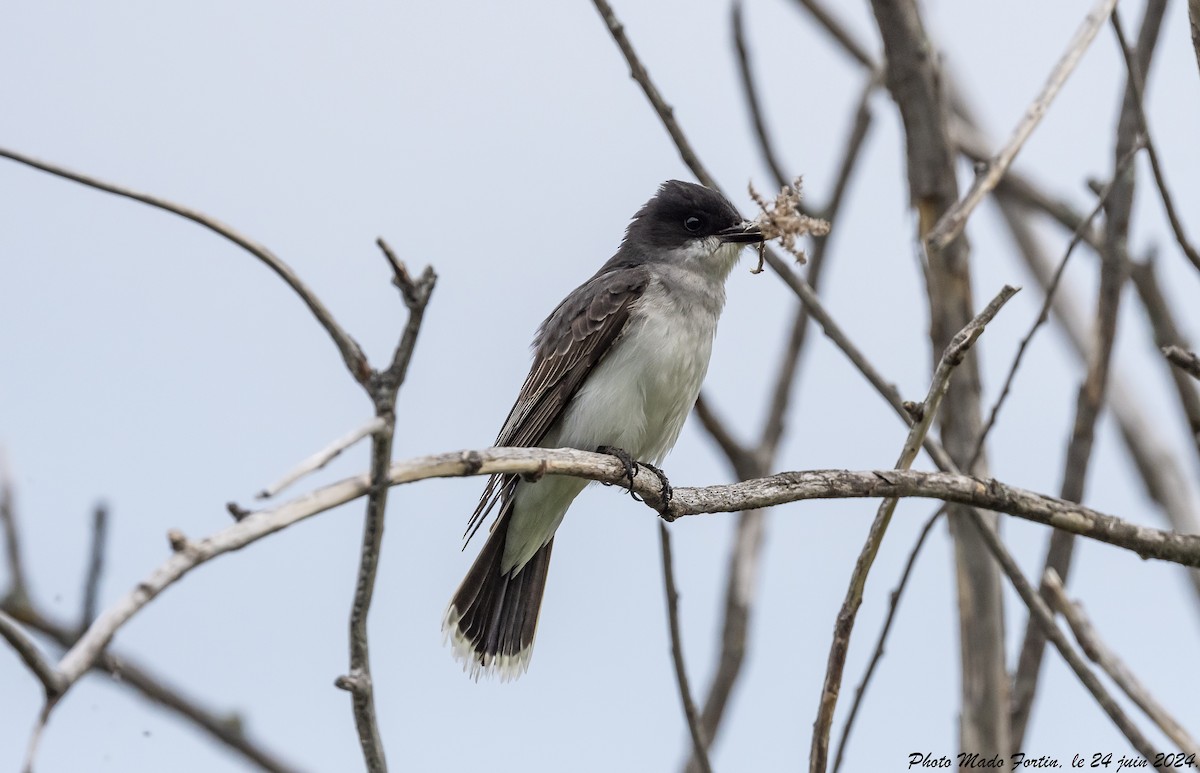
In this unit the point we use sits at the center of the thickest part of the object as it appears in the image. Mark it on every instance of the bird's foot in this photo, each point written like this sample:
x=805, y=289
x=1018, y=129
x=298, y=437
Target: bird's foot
x=631, y=469
x=665, y=489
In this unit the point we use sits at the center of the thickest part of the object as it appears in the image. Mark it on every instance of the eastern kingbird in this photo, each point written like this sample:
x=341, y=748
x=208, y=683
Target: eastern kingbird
x=617, y=364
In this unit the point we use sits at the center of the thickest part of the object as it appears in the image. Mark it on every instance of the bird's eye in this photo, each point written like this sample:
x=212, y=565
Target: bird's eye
x=693, y=224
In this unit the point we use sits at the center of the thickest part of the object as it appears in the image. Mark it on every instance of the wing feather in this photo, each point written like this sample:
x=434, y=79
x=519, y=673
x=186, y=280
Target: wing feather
x=570, y=343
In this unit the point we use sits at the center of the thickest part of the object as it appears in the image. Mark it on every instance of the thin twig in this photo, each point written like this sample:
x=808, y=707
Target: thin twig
x=91, y=585
x=1041, y=613
x=893, y=605
x=1102, y=656
x=765, y=146
x=742, y=460
x=741, y=586
x=26, y=647
x=1165, y=481
x=226, y=728
x=699, y=743
x=773, y=427
x=351, y=352
x=322, y=457
x=1183, y=359
x=35, y=737
x=969, y=140
x=665, y=113
x=952, y=223
x=18, y=589
x=951, y=359
x=839, y=33
x=383, y=387
x=358, y=681
x=1049, y=296
x=1167, y=337
x=833, y=331
x=1137, y=86
x=1014, y=186
x=1194, y=23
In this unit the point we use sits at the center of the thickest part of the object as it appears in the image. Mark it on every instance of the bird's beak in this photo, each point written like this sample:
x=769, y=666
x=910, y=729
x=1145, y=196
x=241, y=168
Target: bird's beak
x=744, y=232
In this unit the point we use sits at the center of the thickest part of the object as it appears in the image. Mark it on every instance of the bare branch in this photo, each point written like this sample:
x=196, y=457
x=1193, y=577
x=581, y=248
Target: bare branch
x=951, y=359
x=1099, y=654
x=765, y=146
x=1049, y=296
x=742, y=460
x=1183, y=359
x=839, y=33
x=1166, y=337
x=358, y=681
x=18, y=591
x=773, y=427
x=952, y=222
x=224, y=728
x=351, y=353
x=893, y=606
x=1194, y=21
x=416, y=294
x=383, y=387
x=91, y=585
x=1016, y=187
x=665, y=113
x=35, y=737
x=1165, y=481
x=835, y=334
x=25, y=646
x=699, y=742
x=322, y=457
x=740, y=589
x=967, y=137
x=1040, y=612
x=1137, y=88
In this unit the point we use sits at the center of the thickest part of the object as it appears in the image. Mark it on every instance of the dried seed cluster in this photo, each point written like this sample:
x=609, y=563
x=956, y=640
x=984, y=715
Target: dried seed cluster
x=783, y=219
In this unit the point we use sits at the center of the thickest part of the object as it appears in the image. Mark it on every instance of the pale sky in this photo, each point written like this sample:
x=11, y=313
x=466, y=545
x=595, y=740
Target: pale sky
x=149, y=364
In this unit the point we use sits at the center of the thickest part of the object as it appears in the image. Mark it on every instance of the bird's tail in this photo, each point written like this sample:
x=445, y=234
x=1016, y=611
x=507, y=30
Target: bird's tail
x=493, y=617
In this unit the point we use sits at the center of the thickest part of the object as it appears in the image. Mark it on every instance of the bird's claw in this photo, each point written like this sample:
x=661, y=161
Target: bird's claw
x=666, y=491
x=631, y=469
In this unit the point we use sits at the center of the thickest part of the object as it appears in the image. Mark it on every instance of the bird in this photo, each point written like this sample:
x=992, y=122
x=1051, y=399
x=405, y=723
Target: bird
x=617, y=367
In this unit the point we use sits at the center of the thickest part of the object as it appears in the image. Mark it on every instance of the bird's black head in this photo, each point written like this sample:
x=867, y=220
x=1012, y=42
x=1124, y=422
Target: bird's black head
x=684, y=214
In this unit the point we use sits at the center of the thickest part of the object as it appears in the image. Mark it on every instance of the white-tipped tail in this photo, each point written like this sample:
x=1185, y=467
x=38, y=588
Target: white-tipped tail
x=492, y=619
x=477, y=664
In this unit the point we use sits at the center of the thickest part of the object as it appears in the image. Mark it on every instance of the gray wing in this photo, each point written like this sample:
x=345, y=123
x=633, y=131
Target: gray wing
x=572, y=340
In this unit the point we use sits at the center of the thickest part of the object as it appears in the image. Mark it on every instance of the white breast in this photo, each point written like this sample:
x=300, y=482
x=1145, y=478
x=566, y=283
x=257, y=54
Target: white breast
x=639, y=396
